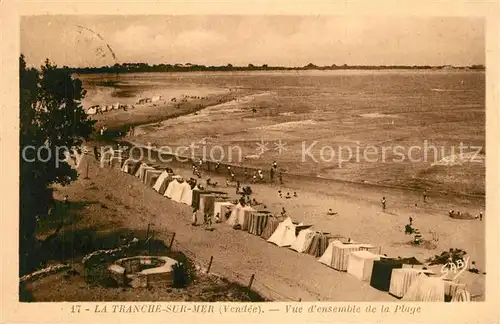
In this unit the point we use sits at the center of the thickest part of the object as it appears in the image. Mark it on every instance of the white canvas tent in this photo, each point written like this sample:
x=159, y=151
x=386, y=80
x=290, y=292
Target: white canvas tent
x=235, y=215
x=127, y=164
x=186, y=193
x=303, y=240
x=177, y=189
x=218, y=207
x=163, y=176
x=360, y=264
x=284, y=235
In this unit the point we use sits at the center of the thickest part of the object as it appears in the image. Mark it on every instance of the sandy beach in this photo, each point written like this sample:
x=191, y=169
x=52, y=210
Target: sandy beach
x=247, y=115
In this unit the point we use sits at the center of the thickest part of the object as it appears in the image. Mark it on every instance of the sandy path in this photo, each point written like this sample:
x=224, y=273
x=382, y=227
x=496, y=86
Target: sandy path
x=237, y=255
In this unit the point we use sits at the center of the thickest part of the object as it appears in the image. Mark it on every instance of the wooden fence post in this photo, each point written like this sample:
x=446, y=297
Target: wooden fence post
x=147, y=233
x=171, y=242
x=87, y=171
x=210, y=264
x=251, y=281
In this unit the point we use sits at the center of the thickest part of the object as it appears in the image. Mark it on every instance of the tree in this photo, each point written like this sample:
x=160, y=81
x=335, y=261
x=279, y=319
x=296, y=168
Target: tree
x=51, y=119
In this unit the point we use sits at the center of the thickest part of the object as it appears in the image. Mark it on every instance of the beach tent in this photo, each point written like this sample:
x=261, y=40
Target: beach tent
x=462, y=295
x=271, y=226
x=151, y=174
x=360, y=264
x=318, y=245
x=195, y=203
x=244, y=217
x=284, y=234
x=176, y=189
x=337, y=253
x=303, y=240
x=116, y=162
x=257, y=222
x=130, y=166
x=159, y=184
x=218, y=208
x=401, y=280
x=106, y=157
x=233, y=218
x=187, y=193
x=225, y=212
x=140, y=171
x=382, y=272
x=425, y=289
x=170, y=188
x=240, y=215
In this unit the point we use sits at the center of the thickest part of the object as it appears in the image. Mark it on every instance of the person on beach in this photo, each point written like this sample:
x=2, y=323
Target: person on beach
x=283, y=212
x=96, y=153
x=288, y=196
x=295, y=194
x=194, y=169
x=481, y=216
x=451, y=213
x=217, y=166
x=331, y=212
x=281, y=177
x=425, y=196
x=229, y=169
x=261, y=175
x=233, y=179
x=200, y=163
x=245, y=174
x=279, y=193
x=194, y=218
x=275, y=165
x=411, y=221
x=217, y=218
x=254, y=178
x=237, y=187
x=271, y=174
x=384, y=202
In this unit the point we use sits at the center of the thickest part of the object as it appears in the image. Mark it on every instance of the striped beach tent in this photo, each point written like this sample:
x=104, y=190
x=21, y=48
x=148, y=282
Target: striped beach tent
x=257, y=222
x=425, y=289
x=318, y=245
x=461, y=295
x=337, y=254
x=271, y=226
x=401, y=280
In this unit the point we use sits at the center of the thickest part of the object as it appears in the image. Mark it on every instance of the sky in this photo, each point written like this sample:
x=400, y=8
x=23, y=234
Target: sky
x=239, y=40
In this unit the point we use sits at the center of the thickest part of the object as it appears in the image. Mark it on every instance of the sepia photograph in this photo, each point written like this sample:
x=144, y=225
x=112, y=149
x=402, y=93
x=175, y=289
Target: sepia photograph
x=252, y=158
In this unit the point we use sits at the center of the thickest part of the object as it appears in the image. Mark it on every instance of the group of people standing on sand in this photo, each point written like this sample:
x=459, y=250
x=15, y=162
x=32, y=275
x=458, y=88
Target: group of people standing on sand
x=452, y=213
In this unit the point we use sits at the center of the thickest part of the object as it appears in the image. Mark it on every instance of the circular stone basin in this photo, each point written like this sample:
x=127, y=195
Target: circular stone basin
x=143, y=271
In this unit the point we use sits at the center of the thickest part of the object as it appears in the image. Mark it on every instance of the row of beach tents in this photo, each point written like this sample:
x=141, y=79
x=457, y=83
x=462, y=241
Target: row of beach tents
x=99, y=109
x=402, y=278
